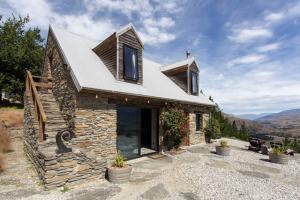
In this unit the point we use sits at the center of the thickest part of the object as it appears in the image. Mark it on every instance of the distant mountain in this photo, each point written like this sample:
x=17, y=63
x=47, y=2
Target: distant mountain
x=253, y=116
x=283, y=115
x=285, y=123
x=254, y=127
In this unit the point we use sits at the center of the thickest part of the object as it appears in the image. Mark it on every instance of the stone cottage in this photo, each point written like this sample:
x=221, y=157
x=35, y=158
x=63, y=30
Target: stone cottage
x=106, y=96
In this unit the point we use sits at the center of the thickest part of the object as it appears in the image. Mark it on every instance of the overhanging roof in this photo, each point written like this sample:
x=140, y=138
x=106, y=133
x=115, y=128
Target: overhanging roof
x=183, y=63
x=89, y=72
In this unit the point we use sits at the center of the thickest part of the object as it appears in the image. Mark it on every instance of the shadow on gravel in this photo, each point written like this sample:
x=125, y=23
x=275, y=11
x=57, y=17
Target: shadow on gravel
x=189, y=196
x=254, y=174
x=214, y=152
x=200, y=150
x=101, y=193
x=265, y=159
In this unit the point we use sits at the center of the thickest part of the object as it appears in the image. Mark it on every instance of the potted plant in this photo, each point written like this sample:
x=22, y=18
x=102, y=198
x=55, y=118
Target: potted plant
x=223, y=149
x=119, y=172
x=277, y=155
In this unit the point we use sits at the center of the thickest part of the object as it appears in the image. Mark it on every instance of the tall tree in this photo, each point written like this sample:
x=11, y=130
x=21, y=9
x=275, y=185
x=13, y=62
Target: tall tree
x=21, y=48
x=234, y=129
x=243, y=133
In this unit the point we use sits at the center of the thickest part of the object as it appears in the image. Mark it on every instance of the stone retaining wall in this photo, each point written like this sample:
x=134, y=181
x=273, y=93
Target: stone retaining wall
x=55, y=170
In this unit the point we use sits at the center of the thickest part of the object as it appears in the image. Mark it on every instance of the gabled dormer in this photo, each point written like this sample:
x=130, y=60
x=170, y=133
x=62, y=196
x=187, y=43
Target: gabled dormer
x=185, y=74
x=122, y=54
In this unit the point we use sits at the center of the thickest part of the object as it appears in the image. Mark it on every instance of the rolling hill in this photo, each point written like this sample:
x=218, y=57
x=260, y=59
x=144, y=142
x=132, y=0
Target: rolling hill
x=285, y=123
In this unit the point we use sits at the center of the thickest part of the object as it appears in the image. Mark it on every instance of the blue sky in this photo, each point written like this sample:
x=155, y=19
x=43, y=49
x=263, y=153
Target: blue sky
x=248, y=51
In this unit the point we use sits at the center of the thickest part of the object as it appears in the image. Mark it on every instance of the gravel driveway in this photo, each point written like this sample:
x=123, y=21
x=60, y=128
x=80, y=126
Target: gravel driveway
x=198, y=173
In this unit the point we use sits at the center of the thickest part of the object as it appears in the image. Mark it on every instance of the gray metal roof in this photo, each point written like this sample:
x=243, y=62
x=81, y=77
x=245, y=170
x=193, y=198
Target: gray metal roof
x=89, y=72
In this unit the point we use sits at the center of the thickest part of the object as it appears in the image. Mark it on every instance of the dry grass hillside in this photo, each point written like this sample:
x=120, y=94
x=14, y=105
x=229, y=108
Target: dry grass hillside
x=253, y=126
x=12, y=117
x=283, y=124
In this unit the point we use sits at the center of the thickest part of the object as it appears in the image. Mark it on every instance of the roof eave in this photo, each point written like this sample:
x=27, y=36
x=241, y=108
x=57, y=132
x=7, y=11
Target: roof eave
x=146, y=96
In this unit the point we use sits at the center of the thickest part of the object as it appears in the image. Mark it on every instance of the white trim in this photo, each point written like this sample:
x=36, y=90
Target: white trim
x=127, y=28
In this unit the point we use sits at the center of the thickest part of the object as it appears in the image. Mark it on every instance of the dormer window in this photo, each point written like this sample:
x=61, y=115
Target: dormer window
x=130, y=63
x=194, y=83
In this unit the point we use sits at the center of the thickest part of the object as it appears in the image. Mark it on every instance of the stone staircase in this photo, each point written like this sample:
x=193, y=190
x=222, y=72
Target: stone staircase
x=55, y=121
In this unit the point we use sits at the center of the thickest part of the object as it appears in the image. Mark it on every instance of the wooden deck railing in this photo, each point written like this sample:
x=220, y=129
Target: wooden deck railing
x=31, y=89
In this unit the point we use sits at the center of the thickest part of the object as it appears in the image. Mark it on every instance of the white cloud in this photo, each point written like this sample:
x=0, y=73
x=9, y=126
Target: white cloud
x=290, y=11
x=274, y=17
x=155, y=19
x=249, y=34
x=154, y=30
x=164, y=22
x=42, y=14
x=249, y=59
x=270, y=86
x=154, y=22
x=269, y=47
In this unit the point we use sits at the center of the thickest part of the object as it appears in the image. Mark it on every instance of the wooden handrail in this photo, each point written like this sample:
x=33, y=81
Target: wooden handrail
x=43, y=78
x=38, y=107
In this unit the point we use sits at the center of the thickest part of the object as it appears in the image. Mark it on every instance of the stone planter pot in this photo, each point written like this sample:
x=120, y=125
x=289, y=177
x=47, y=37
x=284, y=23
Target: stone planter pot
x=264, y=150
x=279, y=158
x=223, y=151
x=119, y=175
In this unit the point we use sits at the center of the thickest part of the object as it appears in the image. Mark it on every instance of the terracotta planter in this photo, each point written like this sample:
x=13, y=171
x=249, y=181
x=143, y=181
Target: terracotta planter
x=278, y=158
x=223, y=151
x=119, y=175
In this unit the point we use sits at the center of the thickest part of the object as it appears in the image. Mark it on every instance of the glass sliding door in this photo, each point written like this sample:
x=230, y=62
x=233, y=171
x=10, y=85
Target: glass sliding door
x=128, y=131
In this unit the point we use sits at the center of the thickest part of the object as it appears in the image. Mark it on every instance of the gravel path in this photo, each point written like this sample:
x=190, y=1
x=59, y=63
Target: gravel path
x=201, y=174
x=198, y=173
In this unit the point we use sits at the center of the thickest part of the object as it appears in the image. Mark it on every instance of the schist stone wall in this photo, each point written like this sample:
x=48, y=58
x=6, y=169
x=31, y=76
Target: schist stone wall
x=55, y=170
x=96, y=125
x=197, y=137
x=92, y=120
x=63, y=87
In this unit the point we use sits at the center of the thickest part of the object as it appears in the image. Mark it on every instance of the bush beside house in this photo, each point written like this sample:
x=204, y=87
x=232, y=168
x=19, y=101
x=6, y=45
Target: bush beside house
x=174, y=121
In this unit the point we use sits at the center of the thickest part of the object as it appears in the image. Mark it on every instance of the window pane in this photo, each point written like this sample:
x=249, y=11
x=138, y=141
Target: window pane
x=130, y=63
x=128, y=130
x=198, y=122
x=194, y=86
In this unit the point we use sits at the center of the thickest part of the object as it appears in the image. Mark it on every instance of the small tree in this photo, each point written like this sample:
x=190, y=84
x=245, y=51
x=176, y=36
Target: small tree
x=243, y=133
x=212, y=130
x=234, y=129
x=174, y=122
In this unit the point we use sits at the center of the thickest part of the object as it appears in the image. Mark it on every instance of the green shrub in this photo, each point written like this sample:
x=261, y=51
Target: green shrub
x=212, y=130
x=119, y=160
x=174, y=122
x=223, y=143
x=278, y=150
